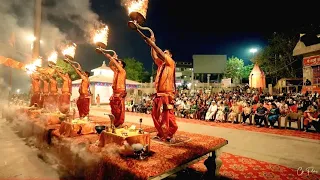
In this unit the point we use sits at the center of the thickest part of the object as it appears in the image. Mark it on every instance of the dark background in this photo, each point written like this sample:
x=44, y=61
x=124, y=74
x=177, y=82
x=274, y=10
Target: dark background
x=203, y=27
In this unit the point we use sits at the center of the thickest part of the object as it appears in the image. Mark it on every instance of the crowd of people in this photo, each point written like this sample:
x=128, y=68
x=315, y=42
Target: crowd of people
x=248, y=107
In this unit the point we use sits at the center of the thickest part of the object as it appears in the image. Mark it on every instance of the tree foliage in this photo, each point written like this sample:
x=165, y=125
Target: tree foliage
x=146, y=77
x=246, y=70
x=236, y=69
x=276, y=59
x=135, y=70
x=67, y=68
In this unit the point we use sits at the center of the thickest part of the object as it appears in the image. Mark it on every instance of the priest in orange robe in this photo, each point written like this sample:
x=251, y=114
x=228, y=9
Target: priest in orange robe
x=166, y=89
x=53, y=93
x=35, y=81
x=64, y=99
x=45, y=92
x=117, y=100
x=83, y=102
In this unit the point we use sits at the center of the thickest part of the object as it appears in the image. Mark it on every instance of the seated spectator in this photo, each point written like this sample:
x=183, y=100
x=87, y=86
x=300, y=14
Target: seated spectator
x=260, y=115
x=274, y=114
x=193, y=111
x=254, y=107
x=211, y=112
x=284, y=109
x=294, y=107
x=233, y=115
x=220, y=116
x=185, y=108
x=267, y=105
x=311, y=118
x=246, y=113
x=201, y=110
x=129, y=106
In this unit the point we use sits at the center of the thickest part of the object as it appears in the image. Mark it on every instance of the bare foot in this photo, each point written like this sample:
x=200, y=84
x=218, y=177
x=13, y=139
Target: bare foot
x=171, y=140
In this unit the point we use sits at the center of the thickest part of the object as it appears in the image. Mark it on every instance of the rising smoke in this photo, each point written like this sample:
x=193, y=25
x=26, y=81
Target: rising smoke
x=63, y=21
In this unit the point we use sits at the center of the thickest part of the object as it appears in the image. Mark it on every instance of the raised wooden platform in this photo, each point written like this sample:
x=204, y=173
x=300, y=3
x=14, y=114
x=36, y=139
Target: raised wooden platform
x=83, y=156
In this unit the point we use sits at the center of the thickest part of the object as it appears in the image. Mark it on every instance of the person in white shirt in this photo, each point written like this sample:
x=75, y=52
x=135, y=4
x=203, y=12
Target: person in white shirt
x=184, y=108
x=211, y=111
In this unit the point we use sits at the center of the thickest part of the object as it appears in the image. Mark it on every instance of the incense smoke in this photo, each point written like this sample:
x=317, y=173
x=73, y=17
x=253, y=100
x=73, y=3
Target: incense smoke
x=62, y=20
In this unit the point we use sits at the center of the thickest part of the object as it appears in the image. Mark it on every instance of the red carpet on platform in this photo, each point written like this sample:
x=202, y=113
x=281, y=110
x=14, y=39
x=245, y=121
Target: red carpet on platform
x=283, y=132
x=238, y=167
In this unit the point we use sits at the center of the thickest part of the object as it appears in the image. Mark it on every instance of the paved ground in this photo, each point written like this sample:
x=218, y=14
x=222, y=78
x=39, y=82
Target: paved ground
x=18, y=160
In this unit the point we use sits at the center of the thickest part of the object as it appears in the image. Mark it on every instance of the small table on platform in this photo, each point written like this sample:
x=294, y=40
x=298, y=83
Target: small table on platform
x=133, y=137
x=69, y=129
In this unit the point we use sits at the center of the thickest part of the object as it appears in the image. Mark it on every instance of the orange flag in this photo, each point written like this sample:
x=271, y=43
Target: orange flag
x=11, y=63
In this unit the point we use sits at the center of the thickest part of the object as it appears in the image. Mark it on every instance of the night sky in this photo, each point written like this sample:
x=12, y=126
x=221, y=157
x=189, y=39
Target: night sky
x=209, y=30
x=195, y=27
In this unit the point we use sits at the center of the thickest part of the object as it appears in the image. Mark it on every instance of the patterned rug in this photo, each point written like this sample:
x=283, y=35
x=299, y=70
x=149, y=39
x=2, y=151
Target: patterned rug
x=178, y=139
x=283, y=132
x=238, y=167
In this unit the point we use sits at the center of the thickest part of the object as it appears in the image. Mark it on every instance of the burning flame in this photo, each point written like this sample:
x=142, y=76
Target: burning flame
x=101, y=35
x=31, y=68
x=38, y=62
x=53, y=57
x=70, y=50
x=140, y=6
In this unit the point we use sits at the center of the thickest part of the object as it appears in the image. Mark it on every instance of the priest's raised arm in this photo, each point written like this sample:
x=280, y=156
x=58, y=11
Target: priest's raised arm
x=117, y=100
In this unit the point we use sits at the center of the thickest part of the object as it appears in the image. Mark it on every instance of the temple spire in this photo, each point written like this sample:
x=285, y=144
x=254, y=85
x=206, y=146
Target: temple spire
x=104, y=64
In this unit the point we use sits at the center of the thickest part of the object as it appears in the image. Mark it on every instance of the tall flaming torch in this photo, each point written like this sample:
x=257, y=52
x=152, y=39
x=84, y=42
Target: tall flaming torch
x=31, y=68
x=69, y=53
x=137, y=10
x=100, y=39
x=38, y=62
x=52, y=58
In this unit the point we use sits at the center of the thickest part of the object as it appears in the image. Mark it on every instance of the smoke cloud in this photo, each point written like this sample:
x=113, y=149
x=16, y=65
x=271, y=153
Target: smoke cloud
x=62, y=21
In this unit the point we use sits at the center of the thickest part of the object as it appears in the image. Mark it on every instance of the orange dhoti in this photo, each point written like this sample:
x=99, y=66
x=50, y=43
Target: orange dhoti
x=44, y=101
x=83, y=104
x=166, y=117
x=41, y=101
x=64, y=103
x=118, y=107
x=35, y=99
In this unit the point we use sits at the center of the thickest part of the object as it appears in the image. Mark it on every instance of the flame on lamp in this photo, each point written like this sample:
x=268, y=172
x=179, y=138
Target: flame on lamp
x=31, y=68
x=70, y=50
x=31, y=38
x=101, y=35
x=140, y=6
x=53, y=57
x=38, y=62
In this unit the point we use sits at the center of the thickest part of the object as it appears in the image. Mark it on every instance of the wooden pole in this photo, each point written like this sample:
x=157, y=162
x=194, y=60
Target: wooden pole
x=37, y=29
x=10, y=80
